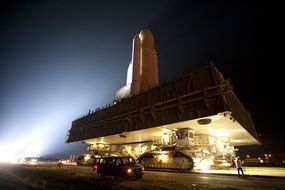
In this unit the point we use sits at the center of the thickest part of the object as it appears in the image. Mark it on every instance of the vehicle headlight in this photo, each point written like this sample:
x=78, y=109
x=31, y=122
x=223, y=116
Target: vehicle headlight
x=129, y=170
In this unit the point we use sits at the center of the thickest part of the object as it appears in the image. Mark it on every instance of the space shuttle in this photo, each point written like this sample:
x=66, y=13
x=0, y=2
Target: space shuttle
x=142, y=72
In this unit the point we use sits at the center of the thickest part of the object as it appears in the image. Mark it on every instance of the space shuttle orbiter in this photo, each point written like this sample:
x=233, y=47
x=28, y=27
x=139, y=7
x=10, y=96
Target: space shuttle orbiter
x=143, y=71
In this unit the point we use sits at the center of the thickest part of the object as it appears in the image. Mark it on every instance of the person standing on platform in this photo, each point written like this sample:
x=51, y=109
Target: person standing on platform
x=238, y=163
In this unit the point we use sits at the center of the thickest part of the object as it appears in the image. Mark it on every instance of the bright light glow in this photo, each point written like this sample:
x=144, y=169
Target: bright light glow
x=140, y=149
x=211, y=140
x=203, y=167
x=203, y=164
x=225, y=163
x=163, y=158
x=220, y=134
x=6, y=155
x=27, y=146
x=165, y=138
x=87, y=157
x=129, y=170
x=33, y=161
x=64, y=161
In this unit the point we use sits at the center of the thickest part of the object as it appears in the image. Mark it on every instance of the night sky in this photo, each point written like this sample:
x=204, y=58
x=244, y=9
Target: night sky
x=58, y=59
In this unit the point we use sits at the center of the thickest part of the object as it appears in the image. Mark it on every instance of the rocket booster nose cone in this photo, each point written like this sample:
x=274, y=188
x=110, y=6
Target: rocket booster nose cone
x=146, y=38
x=137, y=39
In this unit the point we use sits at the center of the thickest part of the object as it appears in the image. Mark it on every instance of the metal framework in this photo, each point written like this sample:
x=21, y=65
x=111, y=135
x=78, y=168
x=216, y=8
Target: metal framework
x=198, y=94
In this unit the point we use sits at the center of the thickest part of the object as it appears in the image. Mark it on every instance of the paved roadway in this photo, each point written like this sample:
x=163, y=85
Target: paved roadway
x=224, y=177
x=218, y=179
x=256, y=177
